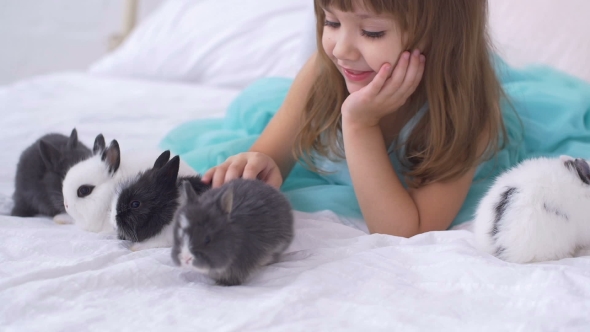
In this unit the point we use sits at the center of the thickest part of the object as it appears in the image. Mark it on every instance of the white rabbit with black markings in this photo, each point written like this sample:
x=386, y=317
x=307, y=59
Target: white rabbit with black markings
x=536, y=211
x=90, y=185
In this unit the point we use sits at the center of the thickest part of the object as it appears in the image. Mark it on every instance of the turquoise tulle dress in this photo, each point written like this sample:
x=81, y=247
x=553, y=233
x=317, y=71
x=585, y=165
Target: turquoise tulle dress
x=552, y=118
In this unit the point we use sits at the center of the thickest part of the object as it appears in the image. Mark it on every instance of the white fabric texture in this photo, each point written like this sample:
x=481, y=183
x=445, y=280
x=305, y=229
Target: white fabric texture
x=227, y=43
x=333, y=278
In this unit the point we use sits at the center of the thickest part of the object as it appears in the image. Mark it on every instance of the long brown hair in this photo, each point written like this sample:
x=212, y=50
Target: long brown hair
x=459, y=84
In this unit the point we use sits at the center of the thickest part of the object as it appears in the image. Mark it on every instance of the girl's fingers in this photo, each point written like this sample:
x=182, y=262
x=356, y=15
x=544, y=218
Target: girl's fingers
x=271, y=176
x=235, y=170
x=409, y=84
x=206, y=178
x=379, y=80
x=218, y=177
x=399, y=73
x=274, y=178
x=252, y=169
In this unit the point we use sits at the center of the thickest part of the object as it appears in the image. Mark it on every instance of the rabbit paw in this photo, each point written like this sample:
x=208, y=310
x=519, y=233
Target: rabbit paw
x=63, y=219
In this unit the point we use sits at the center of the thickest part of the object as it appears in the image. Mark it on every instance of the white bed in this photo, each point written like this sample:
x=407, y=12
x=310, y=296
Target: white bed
x=334, y=276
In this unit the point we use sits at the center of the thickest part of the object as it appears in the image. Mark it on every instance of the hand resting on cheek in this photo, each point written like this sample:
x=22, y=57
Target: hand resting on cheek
x=389, y=90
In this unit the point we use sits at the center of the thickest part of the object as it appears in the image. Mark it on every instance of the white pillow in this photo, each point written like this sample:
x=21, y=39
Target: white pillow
x=226, y=43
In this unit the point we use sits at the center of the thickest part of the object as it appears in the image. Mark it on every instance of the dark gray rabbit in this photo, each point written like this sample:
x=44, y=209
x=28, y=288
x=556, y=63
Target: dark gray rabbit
x=144, y=208
x=40, y=172
x=229, y=232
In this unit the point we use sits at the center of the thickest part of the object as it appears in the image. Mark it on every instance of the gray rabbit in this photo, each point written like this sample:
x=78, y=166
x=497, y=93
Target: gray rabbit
x=40, y=172
x=229, y=232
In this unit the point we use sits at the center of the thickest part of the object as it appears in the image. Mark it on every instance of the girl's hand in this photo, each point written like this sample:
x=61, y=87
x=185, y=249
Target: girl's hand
x=247, y=165
x=386, y=93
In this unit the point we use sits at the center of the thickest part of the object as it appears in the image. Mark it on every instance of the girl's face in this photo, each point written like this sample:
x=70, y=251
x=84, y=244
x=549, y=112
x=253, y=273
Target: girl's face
x=359, y=43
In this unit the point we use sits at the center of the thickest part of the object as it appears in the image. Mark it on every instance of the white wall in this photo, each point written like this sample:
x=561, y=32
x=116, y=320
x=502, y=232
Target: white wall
x=552, y=32
x=43, y=36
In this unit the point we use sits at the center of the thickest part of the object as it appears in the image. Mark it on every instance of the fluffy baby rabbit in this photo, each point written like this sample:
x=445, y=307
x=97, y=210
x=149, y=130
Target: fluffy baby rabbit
x=40, y=172
x=143, y=209
x=90, y=185
x=229, y=232
x=537, y=211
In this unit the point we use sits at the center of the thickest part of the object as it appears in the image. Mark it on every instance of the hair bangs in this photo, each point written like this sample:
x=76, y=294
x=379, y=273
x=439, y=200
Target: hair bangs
x=375, y=6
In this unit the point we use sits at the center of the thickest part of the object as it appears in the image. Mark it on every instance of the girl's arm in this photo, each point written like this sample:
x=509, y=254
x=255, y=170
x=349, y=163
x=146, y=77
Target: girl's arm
x=270, y=158
x=278, y=138
x=387, y=207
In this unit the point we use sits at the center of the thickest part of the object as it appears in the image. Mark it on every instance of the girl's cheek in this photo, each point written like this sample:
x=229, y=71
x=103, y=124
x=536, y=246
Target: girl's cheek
x=328, y=45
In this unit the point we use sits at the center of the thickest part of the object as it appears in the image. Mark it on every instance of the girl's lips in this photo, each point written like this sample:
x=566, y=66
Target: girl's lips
x=355, y=75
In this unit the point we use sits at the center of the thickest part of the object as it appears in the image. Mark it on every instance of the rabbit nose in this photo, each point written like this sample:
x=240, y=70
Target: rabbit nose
x=187, y=260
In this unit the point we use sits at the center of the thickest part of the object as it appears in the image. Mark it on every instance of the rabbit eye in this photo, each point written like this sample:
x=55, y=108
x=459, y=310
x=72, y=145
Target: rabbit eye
x=135, y=204
x=207, y=239
x=85, y=190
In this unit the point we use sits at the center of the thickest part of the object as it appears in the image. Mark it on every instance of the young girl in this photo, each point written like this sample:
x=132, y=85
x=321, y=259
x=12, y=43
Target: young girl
x=404, y=92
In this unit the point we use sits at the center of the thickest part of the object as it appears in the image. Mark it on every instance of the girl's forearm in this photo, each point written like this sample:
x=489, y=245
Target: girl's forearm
x=386, y=205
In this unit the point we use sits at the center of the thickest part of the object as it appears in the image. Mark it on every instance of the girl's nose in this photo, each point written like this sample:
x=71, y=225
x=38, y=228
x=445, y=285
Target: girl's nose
x=344, y=48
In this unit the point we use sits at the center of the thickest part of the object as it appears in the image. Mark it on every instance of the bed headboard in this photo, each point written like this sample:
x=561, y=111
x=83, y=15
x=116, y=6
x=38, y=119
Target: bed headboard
x=129, y=20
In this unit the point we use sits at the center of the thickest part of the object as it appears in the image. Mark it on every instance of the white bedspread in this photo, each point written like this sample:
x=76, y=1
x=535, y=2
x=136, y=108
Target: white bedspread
x=334, y=277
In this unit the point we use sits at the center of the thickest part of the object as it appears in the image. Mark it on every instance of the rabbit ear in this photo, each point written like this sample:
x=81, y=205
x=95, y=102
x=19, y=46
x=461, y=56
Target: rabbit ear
x=583, y=170
x=162, y=159
x=73, y=140
x=579, y=165
x=169, y=172
x=187, y=193
x=112, y=157
x=226, y=201
x=49, y=154
x=99, y=144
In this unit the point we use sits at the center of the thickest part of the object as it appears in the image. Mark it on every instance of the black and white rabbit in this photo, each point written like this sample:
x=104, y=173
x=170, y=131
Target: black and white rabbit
x=229, y=232
x=537, y=211
x=143, y=208
x=90, y=185
x=40, y=173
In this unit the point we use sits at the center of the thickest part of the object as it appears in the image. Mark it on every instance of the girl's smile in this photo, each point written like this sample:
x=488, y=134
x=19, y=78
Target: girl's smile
x=356, y=75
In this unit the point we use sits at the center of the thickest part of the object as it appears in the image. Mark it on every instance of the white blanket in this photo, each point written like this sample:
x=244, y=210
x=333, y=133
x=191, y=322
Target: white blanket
x=333, y=277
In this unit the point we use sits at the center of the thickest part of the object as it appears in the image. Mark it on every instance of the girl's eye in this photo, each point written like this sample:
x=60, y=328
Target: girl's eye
x=331, y=24
x=207, y=239
x=135, y=204
x=371, y=34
